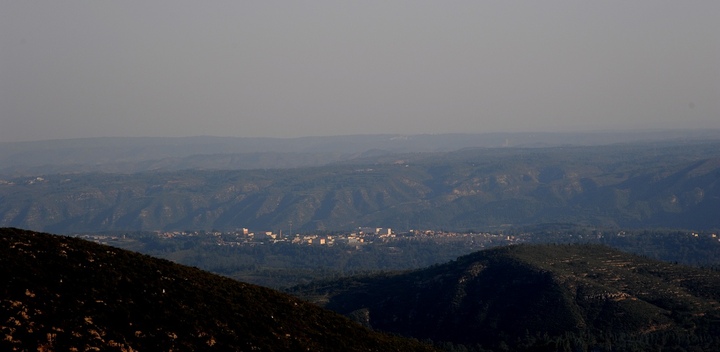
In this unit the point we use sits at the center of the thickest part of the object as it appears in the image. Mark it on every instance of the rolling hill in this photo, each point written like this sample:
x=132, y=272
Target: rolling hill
x=539, y=298
x=66, y=294
x=673, y=185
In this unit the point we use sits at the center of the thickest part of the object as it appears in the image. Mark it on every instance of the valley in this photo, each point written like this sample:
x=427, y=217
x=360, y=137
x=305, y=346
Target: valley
x=521, y=247
x=63, y=293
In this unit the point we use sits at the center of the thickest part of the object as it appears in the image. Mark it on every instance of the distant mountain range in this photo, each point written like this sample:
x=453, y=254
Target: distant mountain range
x=653, y=184
x=65, y=294
x=131, y=155
x=538, y=298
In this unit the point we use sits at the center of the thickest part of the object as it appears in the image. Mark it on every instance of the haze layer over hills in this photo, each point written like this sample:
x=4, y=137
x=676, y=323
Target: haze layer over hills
x=130, y=155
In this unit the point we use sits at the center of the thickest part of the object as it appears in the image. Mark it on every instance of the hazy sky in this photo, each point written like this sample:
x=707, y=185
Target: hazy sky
x=73, y=69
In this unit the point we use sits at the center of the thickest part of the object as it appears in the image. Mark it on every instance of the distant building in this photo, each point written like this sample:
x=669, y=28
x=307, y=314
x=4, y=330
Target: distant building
x=384, y=231
x=375, y=230
x=270, y=235
x=318, y=241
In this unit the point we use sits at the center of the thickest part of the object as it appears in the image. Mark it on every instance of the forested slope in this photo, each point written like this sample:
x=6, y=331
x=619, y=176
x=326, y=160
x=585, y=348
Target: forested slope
x=539, y=298
x=64, y=294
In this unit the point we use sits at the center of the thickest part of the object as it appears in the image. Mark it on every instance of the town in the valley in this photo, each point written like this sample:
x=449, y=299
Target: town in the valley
x=360, y=236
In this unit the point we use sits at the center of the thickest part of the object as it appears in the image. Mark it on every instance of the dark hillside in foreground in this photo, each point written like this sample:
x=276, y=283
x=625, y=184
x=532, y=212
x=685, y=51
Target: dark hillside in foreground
x=65, y=294
x=539, y=298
